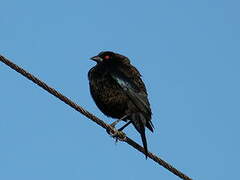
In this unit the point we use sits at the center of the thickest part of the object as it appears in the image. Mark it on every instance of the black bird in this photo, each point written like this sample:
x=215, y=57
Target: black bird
x=119, y=92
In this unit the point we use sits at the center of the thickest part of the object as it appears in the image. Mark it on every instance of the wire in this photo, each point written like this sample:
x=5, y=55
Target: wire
x=121, y=136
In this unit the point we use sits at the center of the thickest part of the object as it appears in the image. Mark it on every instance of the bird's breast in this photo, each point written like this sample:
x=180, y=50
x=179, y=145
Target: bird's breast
x=107, y=94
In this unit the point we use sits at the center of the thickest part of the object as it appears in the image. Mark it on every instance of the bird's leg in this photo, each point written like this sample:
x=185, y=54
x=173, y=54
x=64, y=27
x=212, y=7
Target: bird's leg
x=114, y=134
x=117, y=121
x=120, y=129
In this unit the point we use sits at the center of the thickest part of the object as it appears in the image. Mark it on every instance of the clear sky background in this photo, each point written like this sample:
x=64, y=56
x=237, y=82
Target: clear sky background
x=188, y=54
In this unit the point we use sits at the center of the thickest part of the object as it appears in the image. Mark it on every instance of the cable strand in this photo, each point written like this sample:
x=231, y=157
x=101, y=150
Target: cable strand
x=92, y=117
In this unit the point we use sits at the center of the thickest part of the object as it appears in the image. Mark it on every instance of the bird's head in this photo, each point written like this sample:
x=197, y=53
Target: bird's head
x=110, y=57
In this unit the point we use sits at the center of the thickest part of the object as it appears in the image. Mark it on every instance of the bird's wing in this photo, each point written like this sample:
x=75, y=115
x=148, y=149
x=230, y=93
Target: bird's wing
x=136, y=95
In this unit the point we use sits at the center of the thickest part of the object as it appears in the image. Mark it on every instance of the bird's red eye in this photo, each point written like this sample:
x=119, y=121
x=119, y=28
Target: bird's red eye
x=106, y=57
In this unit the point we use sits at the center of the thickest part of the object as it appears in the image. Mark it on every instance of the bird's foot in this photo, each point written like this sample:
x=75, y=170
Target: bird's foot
x=113, y=132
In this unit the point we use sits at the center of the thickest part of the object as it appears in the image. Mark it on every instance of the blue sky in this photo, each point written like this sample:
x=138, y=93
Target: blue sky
x=188, y=54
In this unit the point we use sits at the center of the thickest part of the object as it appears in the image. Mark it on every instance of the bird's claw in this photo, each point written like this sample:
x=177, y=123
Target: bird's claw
x=118, y=135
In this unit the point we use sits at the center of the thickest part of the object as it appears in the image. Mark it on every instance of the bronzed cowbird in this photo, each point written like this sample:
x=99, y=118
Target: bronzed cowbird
x=119, y=92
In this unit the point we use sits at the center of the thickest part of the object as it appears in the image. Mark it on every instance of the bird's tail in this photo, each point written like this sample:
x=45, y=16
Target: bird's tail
x=139, y=122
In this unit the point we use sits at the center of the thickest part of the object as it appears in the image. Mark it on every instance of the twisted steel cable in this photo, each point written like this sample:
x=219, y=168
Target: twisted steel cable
x=121, y=136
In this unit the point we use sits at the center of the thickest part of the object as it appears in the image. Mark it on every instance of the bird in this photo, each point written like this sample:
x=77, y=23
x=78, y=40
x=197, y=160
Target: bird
x=119, y=92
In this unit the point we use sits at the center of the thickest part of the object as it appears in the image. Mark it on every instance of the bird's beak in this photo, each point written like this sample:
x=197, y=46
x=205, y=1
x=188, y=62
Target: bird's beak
x=97, y=59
